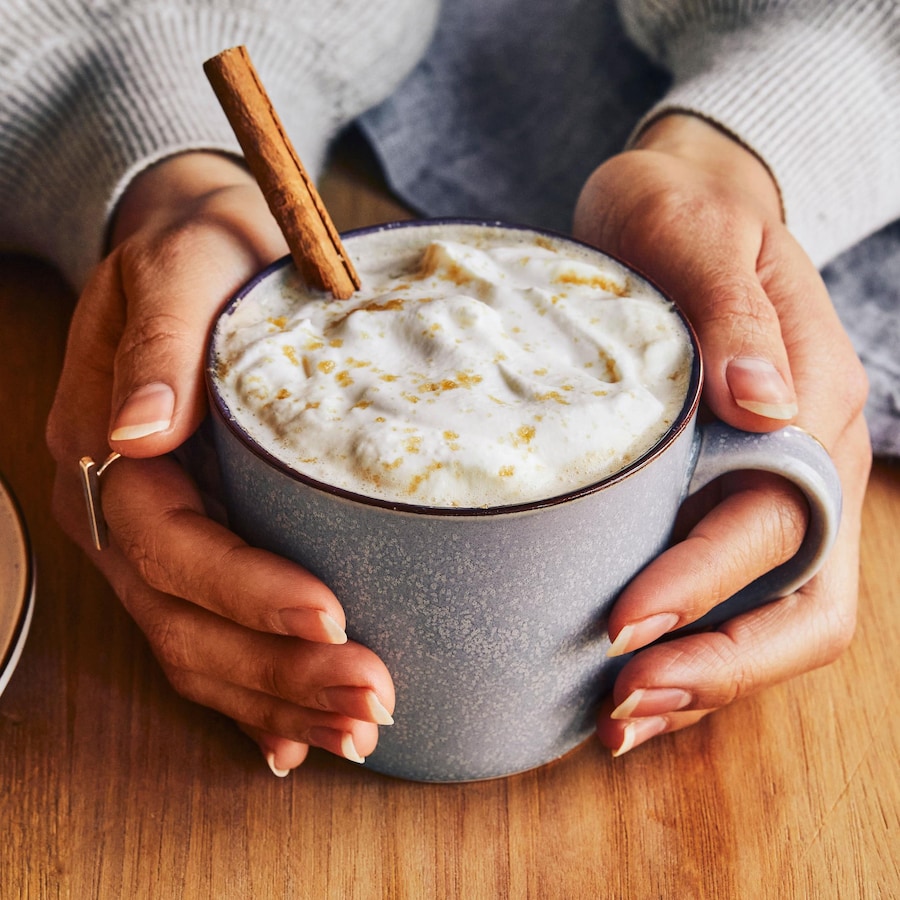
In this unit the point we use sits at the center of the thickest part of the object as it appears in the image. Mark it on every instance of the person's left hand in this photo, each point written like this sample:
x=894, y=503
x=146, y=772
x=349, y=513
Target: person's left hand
x=700, y=215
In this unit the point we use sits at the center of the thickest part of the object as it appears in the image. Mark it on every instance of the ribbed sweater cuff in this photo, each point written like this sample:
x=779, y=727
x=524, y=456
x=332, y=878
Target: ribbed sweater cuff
x=93, y=100
x=817, y=96
x=123, y=114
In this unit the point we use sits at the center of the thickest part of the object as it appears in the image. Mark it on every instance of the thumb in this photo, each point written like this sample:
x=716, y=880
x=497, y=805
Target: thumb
x=189, y=233
x=157, y=399
x=708, y=257
x=748, y=381
x=174, y=289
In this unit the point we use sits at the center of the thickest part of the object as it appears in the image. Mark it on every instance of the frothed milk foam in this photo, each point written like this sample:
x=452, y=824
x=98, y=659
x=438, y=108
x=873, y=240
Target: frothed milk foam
x=476, y=367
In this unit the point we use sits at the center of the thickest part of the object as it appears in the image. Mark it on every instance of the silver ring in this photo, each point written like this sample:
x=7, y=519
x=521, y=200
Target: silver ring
x=90, y=481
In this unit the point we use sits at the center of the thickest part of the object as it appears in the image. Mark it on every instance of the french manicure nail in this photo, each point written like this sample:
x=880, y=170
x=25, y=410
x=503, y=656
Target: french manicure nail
x=335, y=741
x=639, y=634
x=348, y=749
x=650, y=702
x=757, y=386
x=357, y=703
x=638, y=731
x=148, y=410
x=312, y=624
x=377, y=709
x=270, y=759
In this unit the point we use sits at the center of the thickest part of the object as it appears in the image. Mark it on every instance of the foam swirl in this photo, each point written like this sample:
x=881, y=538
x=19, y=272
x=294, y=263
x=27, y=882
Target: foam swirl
x=476, y=367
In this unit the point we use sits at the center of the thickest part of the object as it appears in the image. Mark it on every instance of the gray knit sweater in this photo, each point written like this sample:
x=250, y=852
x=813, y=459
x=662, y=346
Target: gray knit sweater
x=96, y=90
x=512, y=104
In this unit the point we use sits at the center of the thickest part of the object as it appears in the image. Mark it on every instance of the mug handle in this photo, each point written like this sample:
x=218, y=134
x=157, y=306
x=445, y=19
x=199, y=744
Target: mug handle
x=796, y=455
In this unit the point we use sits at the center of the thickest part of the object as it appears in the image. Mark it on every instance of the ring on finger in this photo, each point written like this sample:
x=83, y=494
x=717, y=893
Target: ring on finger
x=90, y=481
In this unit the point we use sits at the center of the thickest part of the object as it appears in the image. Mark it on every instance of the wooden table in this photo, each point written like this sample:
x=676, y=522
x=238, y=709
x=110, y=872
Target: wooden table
x=111, y=786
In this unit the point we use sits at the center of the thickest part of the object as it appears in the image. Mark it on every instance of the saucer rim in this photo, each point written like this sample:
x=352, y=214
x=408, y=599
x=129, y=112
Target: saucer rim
x=16, y=596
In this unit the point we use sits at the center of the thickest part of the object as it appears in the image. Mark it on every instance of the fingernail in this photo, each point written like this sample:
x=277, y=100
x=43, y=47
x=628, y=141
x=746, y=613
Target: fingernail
x=270, y=759
x=651, y=702
x=639, y=634
x=638, y=731
x=757, y=386
x=335, y=741
x=357, y=703
x=349, y=751
x=313, y=625
x=377, y=709
x=148, y=410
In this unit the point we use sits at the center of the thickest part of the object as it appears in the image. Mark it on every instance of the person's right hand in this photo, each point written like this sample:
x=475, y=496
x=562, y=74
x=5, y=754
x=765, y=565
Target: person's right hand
x=235, y=628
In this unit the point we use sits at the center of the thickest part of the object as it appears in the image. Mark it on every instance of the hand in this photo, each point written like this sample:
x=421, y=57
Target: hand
x=700, y=215
x=235, y=628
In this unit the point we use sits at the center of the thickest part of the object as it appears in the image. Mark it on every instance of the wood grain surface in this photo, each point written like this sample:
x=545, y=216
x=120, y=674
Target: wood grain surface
x=111, y=786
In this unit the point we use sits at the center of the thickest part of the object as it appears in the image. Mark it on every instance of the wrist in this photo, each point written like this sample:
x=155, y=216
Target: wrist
x=715, y=151
x=164, y=189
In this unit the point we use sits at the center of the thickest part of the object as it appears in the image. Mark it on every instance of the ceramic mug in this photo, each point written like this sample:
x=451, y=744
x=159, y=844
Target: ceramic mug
x=492, y=621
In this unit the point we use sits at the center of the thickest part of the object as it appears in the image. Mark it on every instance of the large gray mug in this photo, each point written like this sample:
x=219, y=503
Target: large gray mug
x=492, y=621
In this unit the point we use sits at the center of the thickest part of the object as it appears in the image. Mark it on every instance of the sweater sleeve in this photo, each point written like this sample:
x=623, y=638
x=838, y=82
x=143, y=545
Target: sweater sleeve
x=95, y=92
x=811, y=86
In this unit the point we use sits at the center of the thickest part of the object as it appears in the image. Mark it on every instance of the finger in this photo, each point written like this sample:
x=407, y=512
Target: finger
x=281, y=727
x=175, y=284
x=624, y=735
x=155, y=516
x=752, y=530
x=713, y=237
x=347, y=680
x=748, y=381
x=673, y=684
x=201, y=666
x=281, y=754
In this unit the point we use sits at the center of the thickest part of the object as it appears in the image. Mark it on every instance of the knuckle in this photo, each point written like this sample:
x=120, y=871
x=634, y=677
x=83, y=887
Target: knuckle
x=784, y=527
x=772, y=534
x=151, y=335
x=147, y=564
x=675, y=206
x=660, y=212
x=146, y=536
x=716, y=666
x=271, y=717
x=171, y=648
x=725, y=656
x=141, y=548
x=173, y=249
x=737, y=303
x=219, y=579
x=272, y=677
x=168, y=249
x=707, y=565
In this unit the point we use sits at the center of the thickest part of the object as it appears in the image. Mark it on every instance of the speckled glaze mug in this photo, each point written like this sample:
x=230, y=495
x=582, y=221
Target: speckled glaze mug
x=492, y=621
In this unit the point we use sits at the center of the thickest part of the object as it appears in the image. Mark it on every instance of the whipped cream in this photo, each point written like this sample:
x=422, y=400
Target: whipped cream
x=476, y=367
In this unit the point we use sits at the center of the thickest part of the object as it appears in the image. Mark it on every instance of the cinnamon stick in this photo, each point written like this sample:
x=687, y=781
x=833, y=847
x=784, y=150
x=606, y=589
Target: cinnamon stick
x=293, y=199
